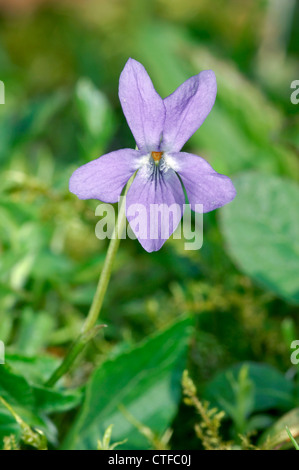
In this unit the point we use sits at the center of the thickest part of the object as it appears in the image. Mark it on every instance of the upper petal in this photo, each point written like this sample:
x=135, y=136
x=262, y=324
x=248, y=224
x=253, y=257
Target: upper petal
x=202, y=183
x=187, y=108
x=154, y=206
x=105, y=177
x=143, y=107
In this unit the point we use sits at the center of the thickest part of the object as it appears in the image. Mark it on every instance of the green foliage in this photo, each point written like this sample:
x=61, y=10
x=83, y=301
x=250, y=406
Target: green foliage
x=62, y=110
x=261, y=228
x=145, y=381
x=258, y=386
x=96, y=117
x=30, y=403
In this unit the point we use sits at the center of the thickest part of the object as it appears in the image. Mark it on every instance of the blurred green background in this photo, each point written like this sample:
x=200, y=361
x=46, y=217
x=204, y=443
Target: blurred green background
x=228, y=312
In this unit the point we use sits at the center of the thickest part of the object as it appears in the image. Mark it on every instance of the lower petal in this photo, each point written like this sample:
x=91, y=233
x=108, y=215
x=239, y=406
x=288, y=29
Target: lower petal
x=105, y=177
x=204, y=186
x=154, y=206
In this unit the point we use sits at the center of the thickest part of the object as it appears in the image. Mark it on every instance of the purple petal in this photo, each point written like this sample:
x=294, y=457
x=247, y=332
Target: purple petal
x=202, y=183
x=187, y=108
x=154, y=206
x=143, y=107
x=105, y=177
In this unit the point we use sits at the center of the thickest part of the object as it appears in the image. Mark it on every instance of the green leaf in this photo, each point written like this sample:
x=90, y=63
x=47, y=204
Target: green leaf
x=271, y=389
x=35, y=369
x=31, y=402
x=96, y=118
x=35, y=117
x=261, y=228
x=15, y=389
x=56, y=401
x=145, y=381
x=8, y=426
x=34, y=331
x=18, y=393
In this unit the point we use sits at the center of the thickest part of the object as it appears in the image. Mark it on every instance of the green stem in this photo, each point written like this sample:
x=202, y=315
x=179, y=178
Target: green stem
x=89, y=330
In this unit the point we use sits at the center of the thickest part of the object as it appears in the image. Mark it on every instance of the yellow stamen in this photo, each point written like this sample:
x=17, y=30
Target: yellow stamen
x=157, y=156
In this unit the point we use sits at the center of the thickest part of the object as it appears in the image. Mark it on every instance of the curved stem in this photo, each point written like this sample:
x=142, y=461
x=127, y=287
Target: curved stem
x=89, y=330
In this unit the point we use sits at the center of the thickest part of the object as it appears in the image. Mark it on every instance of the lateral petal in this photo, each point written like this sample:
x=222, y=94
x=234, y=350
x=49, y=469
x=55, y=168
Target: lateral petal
x=105, y=177
x=202, y=183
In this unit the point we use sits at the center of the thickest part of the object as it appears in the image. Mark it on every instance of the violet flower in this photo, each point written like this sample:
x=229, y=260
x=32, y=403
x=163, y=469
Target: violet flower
x=160, y=128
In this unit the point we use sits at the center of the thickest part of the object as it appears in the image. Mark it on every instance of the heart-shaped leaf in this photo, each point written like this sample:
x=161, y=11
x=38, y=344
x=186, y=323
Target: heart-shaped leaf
x=261, y=228
x=143, y=383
